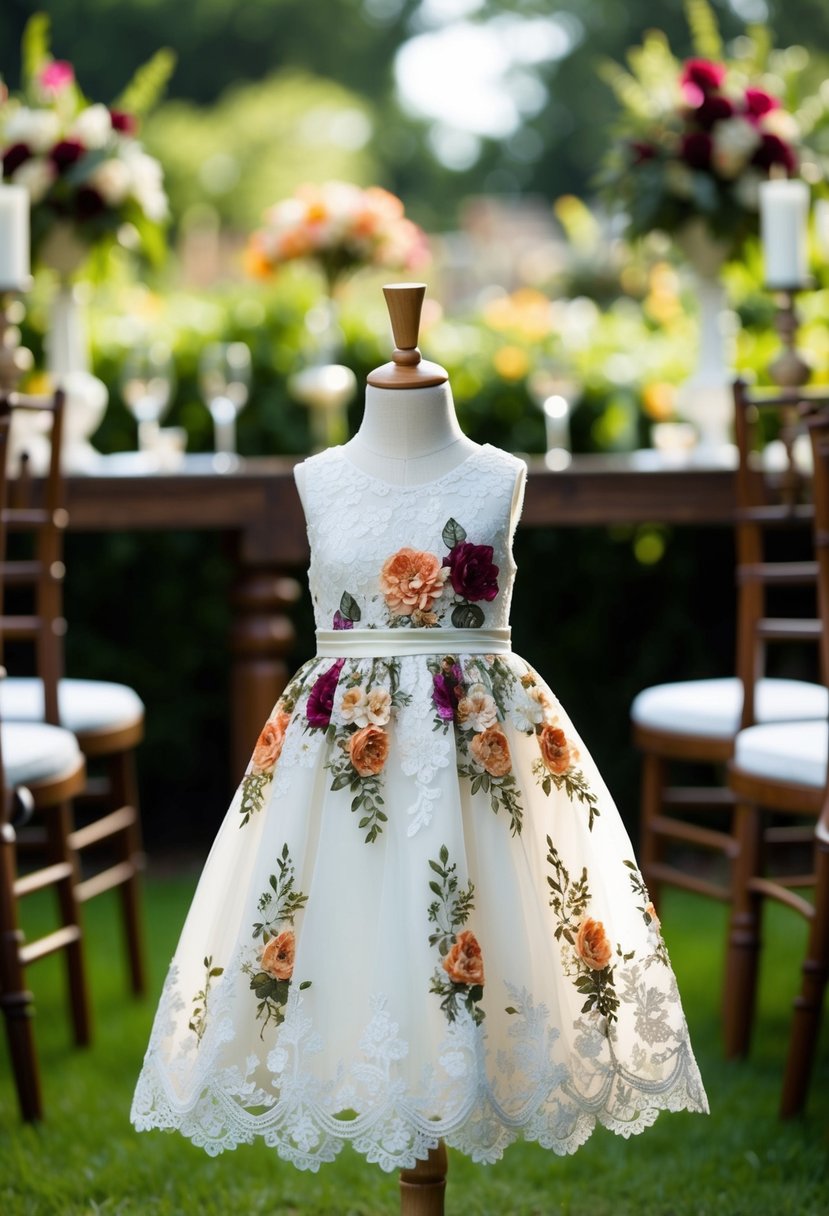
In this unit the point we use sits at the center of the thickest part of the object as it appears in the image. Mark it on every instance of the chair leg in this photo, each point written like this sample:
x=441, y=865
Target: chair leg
x=808, y=1006
x=125, y=793
x=743, y=950
x=15, y=1000
x=653, y=788
x=58, y=827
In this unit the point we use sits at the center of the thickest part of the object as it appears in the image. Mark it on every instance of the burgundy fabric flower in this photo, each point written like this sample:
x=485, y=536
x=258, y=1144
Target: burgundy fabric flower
x=696, y=149
x=321, y=698
x=713, y=109
x=14, y=157
x=67, y=153
x=444, y=697
x=342, y=622
x=774, y=151
x=703, y=74
x=127, y=124
x=471, y=571
x=759, y=102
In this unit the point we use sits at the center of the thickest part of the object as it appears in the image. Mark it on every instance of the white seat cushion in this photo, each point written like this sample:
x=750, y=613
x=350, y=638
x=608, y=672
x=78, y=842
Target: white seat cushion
x=712, y=708
x=788, y=751
x=33, y=751
x=85, y=705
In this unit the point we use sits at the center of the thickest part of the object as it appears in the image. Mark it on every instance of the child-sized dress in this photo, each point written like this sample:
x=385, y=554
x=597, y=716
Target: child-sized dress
x=421, y=916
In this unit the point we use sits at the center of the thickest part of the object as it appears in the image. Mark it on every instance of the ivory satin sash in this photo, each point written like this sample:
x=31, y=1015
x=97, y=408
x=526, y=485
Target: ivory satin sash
x=390, y=643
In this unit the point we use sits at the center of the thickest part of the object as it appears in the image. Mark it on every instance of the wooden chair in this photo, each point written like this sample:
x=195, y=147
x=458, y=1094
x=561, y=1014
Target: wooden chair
x=783, y=769
x=107, y=718
x=46, y=764
x=695, y=721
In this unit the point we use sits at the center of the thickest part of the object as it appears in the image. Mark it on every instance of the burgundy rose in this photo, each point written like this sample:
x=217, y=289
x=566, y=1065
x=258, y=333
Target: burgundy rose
x=713, y=109
x=759, y=102
x=696, y=150
x=88, y=203
x=14, y=157
x=702, y=74
x=342, y=622
x=321, y=697
x=774, y=151
x=471, y=571
x=127, y=124
x=67, y=153
x=641, y=151
x=444, y=698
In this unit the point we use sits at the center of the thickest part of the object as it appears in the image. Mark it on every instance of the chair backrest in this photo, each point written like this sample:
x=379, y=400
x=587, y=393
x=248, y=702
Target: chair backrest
x=5, y=426
x=819, y=435
x=37, y=515
x=770, y=502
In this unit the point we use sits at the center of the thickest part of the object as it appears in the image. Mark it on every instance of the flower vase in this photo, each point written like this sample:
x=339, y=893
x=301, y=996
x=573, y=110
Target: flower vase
x=706, y=398
x=67, y=361
x=325, y=386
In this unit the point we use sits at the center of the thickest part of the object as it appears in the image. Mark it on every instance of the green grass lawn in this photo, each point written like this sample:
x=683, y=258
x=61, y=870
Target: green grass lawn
x=740, y=1161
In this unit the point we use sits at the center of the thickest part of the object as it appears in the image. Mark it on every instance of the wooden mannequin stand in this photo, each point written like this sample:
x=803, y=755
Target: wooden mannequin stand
x=422, y=1189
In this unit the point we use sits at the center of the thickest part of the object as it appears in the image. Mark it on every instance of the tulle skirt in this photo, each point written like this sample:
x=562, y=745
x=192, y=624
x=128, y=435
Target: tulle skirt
x=421, y=918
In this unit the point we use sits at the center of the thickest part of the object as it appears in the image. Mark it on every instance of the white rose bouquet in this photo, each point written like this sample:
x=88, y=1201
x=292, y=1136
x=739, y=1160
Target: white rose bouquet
x=89, y=179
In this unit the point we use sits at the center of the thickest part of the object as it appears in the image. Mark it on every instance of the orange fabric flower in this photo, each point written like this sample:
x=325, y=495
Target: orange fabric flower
x=490, y=749
x=464, y=963
x=410, y=580
x=650, y=912
x=592, y=945
x=555, y=750
x=278, y=956
x=368, y=749
x=269, y=744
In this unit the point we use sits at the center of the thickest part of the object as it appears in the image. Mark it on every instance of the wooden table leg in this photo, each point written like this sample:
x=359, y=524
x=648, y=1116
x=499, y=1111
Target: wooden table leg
x=261, y=637
x=422, y=1189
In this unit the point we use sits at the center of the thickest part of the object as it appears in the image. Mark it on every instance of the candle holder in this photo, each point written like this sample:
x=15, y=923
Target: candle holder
x=14, y=358
x=790, y=369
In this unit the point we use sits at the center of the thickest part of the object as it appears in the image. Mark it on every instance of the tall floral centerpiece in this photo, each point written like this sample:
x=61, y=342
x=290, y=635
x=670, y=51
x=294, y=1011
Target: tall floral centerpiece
x=91, y=186
x=339, y=228
x=692, y=144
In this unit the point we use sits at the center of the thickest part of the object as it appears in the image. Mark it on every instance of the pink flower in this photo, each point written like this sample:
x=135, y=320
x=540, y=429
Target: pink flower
x=759, y=102
x=702, y=74
x=56, y=76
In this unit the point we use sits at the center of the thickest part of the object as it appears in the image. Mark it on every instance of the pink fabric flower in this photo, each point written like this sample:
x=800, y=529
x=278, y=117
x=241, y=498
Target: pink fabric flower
x=56, y=76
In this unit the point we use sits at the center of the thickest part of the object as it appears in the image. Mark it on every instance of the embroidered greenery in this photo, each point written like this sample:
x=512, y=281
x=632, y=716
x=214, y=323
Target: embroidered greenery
x=503, y=793
x=270, y=977
x=637, y=882
x=253, y=794
x=574, y=784
x=198, y=1018
x=568, y=899
x=459, y=979
x=367, y=790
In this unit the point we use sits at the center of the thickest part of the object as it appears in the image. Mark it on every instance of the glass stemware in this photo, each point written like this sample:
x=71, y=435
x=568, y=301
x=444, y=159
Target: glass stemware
x=224, y=376
x=147, y=379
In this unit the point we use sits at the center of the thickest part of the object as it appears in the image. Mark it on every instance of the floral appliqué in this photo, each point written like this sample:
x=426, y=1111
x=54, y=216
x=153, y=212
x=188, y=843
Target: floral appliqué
x=475, y=701
x=459, y=979
x=267, y=751
x=198, y=1018
x=557, y=765
x=272, y=973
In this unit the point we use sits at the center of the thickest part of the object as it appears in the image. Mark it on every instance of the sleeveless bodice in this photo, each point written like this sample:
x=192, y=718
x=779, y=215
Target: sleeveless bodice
x=435, y=555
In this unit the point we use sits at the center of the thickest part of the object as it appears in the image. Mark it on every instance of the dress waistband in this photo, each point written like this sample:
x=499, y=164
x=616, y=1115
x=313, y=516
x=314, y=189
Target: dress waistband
x=388, y=643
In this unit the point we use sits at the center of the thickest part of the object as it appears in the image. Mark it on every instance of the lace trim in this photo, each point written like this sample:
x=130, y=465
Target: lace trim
x=394, y=1126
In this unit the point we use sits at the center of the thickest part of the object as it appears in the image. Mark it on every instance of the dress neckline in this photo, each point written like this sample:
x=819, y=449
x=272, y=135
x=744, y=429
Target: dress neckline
x=420, y=485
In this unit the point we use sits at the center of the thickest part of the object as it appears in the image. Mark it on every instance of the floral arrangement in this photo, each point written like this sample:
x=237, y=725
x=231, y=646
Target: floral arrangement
x=696, y=138
x=339, y=227
x=89, y=179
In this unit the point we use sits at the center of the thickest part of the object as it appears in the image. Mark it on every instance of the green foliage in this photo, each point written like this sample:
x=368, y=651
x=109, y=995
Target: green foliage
x=34, y=50
x=147, y=86
x=705, y=30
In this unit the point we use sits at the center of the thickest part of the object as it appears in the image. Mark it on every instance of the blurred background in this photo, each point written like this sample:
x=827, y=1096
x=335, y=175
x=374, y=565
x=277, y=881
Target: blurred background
x=491, y=122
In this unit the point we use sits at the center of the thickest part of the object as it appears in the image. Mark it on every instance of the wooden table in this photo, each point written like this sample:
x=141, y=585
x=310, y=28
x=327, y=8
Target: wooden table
x=258, y=504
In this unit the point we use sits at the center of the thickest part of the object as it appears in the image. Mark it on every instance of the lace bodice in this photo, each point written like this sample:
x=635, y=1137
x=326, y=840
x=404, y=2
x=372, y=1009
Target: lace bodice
x=424, y=556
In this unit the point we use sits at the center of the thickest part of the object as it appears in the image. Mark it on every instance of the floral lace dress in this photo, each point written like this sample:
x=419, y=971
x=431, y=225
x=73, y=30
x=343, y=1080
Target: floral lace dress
x=421, y=916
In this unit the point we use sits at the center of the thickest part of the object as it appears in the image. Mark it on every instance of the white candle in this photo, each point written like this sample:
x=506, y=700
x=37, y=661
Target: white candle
x=822, y=227
x=14, y=237
x=784, y=211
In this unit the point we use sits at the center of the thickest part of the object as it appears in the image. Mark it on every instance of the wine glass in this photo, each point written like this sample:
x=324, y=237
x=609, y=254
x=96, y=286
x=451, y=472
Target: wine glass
x=147, y=379
x=224, y=376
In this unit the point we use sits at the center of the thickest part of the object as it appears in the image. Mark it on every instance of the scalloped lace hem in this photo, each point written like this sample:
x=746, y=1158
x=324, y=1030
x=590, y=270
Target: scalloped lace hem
x=393, y=1135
